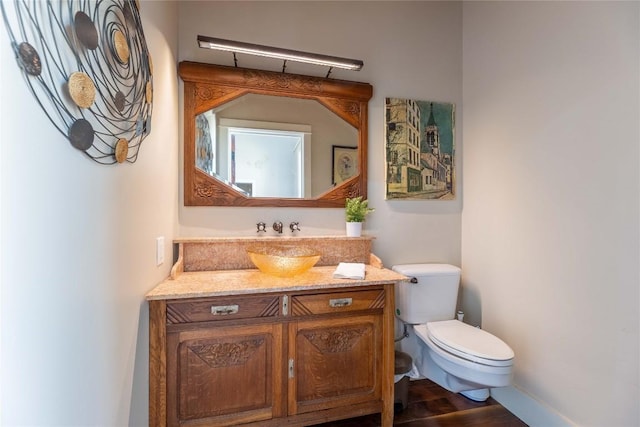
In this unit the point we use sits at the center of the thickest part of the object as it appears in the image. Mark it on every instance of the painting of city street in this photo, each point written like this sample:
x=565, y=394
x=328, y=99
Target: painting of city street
x=420, y=150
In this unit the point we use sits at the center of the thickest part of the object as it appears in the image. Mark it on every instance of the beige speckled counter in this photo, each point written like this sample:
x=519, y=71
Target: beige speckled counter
x=252, y=281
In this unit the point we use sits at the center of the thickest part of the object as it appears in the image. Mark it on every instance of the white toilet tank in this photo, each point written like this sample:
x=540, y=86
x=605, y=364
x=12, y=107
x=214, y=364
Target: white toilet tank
x=432, y=297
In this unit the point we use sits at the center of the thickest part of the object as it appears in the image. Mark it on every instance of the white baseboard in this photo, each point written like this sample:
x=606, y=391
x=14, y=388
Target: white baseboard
x=528, y=409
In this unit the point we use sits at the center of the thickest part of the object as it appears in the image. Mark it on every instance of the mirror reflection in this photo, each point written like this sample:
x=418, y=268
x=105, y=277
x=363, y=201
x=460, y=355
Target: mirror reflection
x=273, y=146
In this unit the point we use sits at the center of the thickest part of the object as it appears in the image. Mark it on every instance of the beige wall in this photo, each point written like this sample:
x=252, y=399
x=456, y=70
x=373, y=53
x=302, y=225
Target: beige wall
x=550, y=236
x=78, y=253
x=550, y=251
x=410, y=49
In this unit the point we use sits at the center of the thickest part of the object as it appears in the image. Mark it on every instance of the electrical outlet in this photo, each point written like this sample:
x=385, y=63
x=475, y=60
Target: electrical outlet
x=159, y=250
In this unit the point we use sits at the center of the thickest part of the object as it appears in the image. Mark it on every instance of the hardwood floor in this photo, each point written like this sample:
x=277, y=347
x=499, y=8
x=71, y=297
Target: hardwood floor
x=429, y=405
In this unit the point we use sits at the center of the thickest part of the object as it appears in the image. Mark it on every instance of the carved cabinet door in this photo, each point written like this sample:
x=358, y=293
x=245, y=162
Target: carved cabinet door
x=224, y=375
x=334, y=362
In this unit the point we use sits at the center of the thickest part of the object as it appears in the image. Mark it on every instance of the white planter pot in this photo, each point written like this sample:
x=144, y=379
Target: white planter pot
x=354, y=229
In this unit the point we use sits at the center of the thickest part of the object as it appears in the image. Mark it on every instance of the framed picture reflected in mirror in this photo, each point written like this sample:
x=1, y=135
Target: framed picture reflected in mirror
x=344, y=163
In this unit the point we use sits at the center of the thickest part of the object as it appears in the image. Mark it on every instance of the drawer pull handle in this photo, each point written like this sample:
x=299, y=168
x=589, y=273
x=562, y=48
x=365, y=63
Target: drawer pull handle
x=224, y=310
x=340, y=302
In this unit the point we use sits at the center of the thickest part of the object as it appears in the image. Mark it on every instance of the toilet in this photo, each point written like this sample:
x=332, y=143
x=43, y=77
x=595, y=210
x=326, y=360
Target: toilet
x=457, y=356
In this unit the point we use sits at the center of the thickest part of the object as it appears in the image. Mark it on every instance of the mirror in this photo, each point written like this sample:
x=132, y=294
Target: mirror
x=260, y=138
x=273, y=146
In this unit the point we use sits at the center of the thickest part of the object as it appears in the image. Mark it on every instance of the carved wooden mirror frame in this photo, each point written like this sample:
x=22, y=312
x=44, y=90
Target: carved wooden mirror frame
x=208, y=86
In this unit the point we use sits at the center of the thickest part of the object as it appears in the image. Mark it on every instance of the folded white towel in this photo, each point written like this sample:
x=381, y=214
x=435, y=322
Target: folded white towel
x=349, y=270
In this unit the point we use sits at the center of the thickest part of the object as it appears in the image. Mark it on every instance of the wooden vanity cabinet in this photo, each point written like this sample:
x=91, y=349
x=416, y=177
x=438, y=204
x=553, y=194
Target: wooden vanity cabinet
x=288, y=358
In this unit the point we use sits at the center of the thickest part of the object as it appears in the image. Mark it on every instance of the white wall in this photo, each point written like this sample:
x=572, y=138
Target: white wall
x=410, y=49
x=550, y=233
x=78, y=253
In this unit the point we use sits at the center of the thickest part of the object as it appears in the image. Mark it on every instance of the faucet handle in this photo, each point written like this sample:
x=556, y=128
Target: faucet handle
x=294, y=226
x=261, y=227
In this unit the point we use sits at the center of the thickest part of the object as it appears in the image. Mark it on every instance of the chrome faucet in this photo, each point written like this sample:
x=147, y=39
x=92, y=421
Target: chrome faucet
x=294, y=226
x=261, y=227
x=277, y=227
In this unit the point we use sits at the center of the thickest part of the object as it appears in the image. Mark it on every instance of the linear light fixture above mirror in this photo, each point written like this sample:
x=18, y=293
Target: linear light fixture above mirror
x=279, y=53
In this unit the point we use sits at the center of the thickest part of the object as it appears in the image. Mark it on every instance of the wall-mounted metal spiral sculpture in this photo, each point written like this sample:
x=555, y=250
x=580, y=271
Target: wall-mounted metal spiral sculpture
x=87, y=64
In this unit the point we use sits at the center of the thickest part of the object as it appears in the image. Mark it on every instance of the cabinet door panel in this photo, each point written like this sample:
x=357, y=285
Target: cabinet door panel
x=225, y=373
x=336, y=362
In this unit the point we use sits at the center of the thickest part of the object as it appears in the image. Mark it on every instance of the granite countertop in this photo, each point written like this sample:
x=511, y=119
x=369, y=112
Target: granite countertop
x=237, y=282
x=283, y=238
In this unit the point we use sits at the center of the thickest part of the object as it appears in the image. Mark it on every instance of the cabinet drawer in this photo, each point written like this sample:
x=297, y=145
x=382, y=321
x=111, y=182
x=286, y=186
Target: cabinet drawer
x=337, y=302
x=223, y=308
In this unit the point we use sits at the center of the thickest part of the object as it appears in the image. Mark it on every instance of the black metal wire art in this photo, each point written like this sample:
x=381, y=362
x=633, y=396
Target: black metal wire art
x=87, y=64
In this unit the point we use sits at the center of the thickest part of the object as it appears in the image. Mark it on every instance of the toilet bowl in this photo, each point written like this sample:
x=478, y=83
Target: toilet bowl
x=464, y=359
x=459, y=357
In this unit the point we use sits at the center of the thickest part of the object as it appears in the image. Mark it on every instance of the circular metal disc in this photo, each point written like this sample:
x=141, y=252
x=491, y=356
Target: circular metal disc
x=82, y=89
x=149, y=92
x=29, y=59
x=120, y=44
x=86, y=30
x=119, y=101
x=81, y=134
x=139, y=126
x=121, y=150
x=128, y=14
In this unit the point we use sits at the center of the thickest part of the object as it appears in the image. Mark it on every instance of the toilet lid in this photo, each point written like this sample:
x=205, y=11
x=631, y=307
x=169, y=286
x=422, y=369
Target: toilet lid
x=470, y=343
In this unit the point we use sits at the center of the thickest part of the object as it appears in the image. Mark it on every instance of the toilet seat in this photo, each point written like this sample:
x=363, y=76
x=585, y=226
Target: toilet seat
x=467, y=342
x=459, y=371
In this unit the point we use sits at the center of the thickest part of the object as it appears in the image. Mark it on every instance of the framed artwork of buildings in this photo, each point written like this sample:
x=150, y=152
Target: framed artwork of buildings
x=420, y=150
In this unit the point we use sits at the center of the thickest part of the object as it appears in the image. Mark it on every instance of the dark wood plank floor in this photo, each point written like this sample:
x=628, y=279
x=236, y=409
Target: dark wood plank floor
x=429, y=405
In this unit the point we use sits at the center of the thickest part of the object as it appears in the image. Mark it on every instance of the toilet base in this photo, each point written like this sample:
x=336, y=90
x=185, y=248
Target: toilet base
x=479, y=395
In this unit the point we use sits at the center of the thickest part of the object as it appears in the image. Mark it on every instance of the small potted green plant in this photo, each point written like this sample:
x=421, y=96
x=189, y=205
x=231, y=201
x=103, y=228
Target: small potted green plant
x=356, y=210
